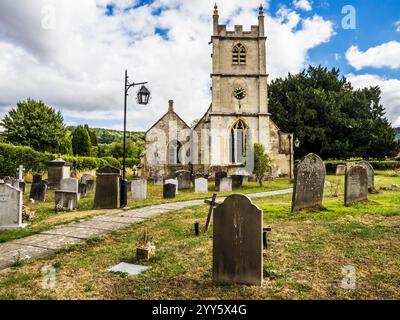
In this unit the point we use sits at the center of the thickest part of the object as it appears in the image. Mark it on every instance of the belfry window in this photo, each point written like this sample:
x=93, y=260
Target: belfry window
x=239, y=54
x=237, y=142
x=174, y=150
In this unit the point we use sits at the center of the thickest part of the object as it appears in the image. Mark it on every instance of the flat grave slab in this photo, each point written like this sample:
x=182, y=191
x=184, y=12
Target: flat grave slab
x=80, y=233
x=131, y=269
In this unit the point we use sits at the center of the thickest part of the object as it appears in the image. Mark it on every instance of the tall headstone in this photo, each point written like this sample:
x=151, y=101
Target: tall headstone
x=169, y=191
x=225, y=185
x=309, y=183
x=58, y=170
x=107, y=188
x=201, y=185
x=370, y=174
x=238, y=242
x=10, y=207
x=173, y=181
x=139, y=189
x=218, y=177
x=183, y=178
x=356, y=185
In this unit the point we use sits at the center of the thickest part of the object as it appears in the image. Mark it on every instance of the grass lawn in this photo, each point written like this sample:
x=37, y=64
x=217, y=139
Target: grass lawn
x=46, y=217
x=304, y=261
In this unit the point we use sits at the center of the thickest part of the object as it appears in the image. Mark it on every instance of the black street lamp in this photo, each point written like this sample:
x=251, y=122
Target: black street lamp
x=143, y=97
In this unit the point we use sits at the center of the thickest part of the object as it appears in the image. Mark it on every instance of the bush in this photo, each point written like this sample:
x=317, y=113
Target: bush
x=130, y=162
x=111, y=162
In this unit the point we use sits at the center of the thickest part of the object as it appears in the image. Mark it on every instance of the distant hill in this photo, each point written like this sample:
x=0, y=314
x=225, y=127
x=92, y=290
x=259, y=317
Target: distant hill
x=107, y=136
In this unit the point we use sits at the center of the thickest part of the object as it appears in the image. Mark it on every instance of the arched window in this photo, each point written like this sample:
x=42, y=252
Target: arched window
x=237, y=142
x=239, y=54
x=173, y=152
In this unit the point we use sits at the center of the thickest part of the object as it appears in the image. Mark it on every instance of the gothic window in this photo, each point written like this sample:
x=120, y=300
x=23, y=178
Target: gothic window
x=173, y=152
x=239, y=54
x=237, y=142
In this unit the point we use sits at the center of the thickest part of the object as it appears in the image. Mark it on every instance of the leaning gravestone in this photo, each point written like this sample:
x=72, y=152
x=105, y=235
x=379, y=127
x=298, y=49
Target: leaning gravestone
x=10, y=207
x=237, y=242
x=218, y=177
x=67, y=197
x=169, y=191
x=370, y=174
x=173, y=181
x=139, y=189
x=356, y=185
x=107, y=188
x=201, y=185
x=225, y=185
x=183, y=178
x=309, y=183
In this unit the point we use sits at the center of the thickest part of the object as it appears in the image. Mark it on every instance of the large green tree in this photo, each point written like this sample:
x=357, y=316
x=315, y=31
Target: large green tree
x=36, y=125
x=81, y=143
x=329, y=117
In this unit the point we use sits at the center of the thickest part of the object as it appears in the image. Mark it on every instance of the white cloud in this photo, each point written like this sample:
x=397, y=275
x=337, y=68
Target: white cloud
x=390, y=93
x=79, y=66
x=397, y=26
x=384, y=55
x=302, y=4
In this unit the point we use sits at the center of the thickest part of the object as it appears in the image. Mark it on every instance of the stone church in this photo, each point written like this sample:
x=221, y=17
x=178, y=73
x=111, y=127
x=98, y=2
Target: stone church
x=238, y=117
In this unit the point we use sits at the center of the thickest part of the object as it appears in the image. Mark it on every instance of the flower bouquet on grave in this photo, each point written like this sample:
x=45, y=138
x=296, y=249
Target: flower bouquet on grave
x=145, y=248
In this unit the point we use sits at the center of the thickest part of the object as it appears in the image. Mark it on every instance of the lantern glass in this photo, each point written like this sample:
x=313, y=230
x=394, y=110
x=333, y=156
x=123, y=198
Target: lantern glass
x=143, y=96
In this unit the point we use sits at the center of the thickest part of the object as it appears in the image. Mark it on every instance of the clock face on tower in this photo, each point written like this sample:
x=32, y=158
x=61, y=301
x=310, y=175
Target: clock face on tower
x=239, y=93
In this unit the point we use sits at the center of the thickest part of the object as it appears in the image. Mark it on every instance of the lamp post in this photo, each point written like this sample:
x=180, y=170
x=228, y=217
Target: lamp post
x=143, y=97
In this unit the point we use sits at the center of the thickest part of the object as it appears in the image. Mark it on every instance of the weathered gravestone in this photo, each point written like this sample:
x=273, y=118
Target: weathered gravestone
x=10, y=207
x=173, y=181
x=38, y=189
x=67, y=197
x=201, y=185
x=340, y=170
x=183, y=178
x=370, y=175
x=237, y=181
x=218, y=177
x=169, y=191
x=88, y=179
x=12, y=182
x=139, y=189
x=225, y=185
x=158, y=180
x=58, y=170
x=309, y=183
x=82, y=188
x=356, y=185
x=107, y=188
x=238, y=242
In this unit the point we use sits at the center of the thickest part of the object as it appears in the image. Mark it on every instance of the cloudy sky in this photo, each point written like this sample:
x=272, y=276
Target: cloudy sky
x=72, y=54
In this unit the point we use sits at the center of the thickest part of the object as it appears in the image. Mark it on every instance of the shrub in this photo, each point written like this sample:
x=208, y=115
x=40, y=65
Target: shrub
x=111, y=162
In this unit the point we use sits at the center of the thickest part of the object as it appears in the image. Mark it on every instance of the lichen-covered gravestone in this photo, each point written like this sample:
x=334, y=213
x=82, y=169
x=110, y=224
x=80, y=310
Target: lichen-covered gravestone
x=183, y=178
x=370, y=175
x=201, y=185
x=237, y=242
x=139, y=189
x=10, y=207
x=356, y=185
x=107, y=188
x=309, y=183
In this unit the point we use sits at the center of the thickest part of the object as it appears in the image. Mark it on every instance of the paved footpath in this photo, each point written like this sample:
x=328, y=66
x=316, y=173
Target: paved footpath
x=53, y=240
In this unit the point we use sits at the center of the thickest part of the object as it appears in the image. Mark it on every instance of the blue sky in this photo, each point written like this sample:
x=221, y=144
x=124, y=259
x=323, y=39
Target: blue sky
x=77, y=64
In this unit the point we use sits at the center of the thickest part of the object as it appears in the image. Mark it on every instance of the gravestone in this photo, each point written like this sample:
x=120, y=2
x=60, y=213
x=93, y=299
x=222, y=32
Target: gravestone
x=309, y=183
x=218, y=177
x=36, y=178
x=370, y=174
x=356, y=185
x=38, y=190
x=139, y=189
x=88, y=179
x=225, y=185
x=169, y=191
x=107, y=188
x=66, y=199
x=340, y=170
x=201, y=185
x=82, y=189
x=58, y=170
x=238, y=242
x=237, y=181
x=10, y=207
x=173, y=181
x=158, y=181
x=12, y=182
x=183, y=178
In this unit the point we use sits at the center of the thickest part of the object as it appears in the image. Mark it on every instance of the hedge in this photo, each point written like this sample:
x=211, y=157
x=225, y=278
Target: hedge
x=12, y=156
x=377, y=165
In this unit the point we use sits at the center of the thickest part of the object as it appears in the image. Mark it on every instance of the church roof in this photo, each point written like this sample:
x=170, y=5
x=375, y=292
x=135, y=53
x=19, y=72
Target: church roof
x=202, y=118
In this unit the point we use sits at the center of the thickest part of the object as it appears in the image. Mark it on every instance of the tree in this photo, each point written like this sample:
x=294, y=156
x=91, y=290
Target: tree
x=92, y=135
x=36, y=125
x=81, y=143
x=262, y=163
x=329, y=117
